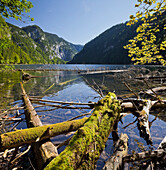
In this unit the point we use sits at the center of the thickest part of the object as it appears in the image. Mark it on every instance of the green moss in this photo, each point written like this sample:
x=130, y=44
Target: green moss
x=26, y=136
x=91, y=138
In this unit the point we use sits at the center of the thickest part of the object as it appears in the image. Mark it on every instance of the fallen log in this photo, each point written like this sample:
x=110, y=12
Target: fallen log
x=60, y=106
x=89, y=141
x=61, y=102
x=145, y=155
x=127, y=105
x=44, y=150
x=156, y=90
x=150, y=77
x=30, y=135
x=121, y=149
x=143, y=123
x=162, y=145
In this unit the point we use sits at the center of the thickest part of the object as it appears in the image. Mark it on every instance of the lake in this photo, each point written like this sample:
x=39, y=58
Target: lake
x=64, y=83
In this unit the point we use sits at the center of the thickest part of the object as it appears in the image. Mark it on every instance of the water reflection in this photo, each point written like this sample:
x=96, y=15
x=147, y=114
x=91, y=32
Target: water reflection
x=70, y=86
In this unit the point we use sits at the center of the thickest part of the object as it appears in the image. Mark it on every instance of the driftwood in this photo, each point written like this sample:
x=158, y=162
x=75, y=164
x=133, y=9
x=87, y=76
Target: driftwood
x=143, y=123
x=61, y=102
x=89, y=141
x=162, y=145
x=44, y=150
x=127, y=105
x=145, y=155
x=150, y=77
x=60, y=106
x=28, y=136
x=160, y=152
x=156, y=90
x=121, y=149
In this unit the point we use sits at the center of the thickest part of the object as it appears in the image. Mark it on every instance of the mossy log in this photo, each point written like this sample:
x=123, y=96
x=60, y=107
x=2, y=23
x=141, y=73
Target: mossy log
x=44, y=150
x=121, y=149
x=89, y=141
x=31, y=116
x=30, y=135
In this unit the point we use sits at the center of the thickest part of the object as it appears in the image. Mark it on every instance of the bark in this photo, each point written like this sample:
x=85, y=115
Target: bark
x=61, y=102
x=143, y=123
x=30, y=135
x=31, y=116
x=145, y=155
x=129, y=106
x=63, y=107
x=44, y=150
x=89, y=141
x=162, y=144
x=121, y=149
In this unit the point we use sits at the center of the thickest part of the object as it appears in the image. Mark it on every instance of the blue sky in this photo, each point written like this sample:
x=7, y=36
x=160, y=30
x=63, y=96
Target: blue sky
x=78, y=21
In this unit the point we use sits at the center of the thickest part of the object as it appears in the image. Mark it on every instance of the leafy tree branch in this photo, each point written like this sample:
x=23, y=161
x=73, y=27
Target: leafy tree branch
x=15, y=8
x=149, y=43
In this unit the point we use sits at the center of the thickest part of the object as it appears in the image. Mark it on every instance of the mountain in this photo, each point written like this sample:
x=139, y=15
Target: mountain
x=107, y=48
x=51, y=44
x=31, y=45
x=10, y=52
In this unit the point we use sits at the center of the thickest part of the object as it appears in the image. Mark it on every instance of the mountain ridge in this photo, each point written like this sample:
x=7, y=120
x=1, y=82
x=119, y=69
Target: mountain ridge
x=31, y=45
x=107, y=48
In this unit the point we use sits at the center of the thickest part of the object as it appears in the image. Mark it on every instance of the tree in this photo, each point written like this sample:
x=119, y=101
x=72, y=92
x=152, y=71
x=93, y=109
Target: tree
x=149, y=44
x=15, y=8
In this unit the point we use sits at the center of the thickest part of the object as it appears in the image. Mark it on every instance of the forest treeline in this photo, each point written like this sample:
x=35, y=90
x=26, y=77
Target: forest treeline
x=30, y=45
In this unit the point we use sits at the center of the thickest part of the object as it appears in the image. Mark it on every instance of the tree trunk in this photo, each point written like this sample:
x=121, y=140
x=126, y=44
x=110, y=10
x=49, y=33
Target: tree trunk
x=145, y=155
x=89, y=141
x=44, y=150
x=143, y=123
x=121, y=149
x=30, y=135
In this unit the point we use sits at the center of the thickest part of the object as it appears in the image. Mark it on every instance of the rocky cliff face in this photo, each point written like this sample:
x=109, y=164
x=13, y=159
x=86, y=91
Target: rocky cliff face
x=51, y=44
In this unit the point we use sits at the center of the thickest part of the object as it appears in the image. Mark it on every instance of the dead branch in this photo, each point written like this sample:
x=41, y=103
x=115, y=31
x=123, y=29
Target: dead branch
x=156, y=90
x=143, y=124
x=96, y=90
x=145, y=155
x=60, y=106
x=131, y=90
x=162, y=145
x=66, y=142
x=157, y=97
x=61, y=102
x=121, y=149
x=85, y=114
x=23, y=153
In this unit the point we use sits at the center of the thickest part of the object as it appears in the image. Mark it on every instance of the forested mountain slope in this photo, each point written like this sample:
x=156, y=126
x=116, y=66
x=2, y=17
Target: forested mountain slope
x=108, y=47
x=31, y=45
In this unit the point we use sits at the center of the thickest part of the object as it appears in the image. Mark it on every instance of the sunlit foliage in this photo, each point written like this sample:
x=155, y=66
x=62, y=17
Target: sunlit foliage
x=15, y=8
x=149, y=43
